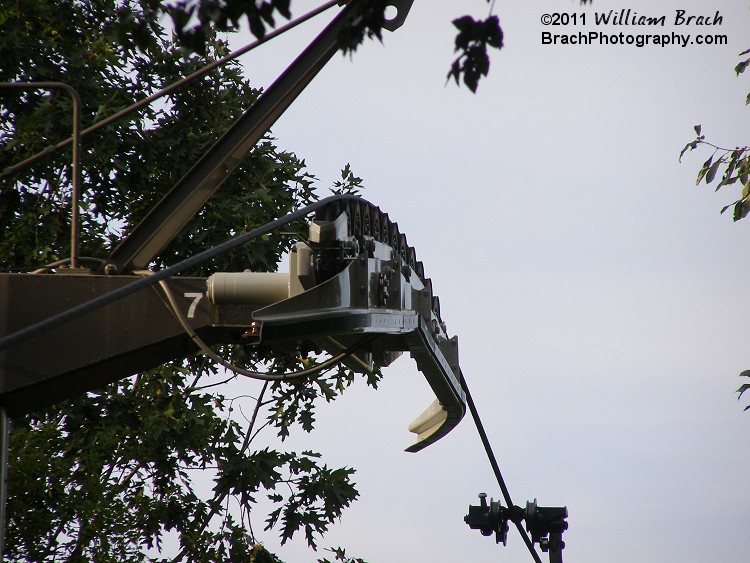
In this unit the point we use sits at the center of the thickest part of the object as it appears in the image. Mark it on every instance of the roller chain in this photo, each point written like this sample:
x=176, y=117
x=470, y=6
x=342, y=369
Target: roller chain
x=367, y=220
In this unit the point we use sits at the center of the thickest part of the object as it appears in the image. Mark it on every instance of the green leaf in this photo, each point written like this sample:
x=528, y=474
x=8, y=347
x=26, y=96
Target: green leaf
x=711, y=173
x=704, y=169
x=723, y=209
x=739, y=210
x=465, y=26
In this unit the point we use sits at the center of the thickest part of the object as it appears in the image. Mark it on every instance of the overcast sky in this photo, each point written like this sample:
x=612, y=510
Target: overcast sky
x=598, y=295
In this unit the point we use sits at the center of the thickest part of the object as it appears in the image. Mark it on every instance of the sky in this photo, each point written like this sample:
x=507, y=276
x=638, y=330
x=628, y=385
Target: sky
x=597, y=293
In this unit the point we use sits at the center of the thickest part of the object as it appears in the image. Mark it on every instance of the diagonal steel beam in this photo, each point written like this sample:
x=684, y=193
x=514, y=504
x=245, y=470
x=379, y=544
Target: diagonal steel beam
x=184, y=200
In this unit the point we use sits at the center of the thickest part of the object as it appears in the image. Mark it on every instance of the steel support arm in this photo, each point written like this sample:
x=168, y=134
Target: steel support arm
x=130, y=335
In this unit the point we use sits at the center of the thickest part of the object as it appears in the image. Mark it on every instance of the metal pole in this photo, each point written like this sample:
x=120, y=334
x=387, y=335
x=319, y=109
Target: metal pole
x=4, y=443
x=76, y=180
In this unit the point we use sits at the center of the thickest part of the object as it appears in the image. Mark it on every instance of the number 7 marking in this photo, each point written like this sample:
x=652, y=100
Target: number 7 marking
x=196, y=297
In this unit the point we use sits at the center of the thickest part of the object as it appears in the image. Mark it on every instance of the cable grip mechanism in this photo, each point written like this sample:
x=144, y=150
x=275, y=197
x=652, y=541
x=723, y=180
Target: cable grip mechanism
x=545, y=524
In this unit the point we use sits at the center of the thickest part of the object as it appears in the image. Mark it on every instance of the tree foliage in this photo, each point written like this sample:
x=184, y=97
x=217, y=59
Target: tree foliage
x=113, y=475
x=473, y=61
x=732, y=166
x=744, y=387
x=472, y=41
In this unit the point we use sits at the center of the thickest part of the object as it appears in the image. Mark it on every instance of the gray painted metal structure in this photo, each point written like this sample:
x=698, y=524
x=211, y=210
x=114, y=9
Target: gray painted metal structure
x=374, y=292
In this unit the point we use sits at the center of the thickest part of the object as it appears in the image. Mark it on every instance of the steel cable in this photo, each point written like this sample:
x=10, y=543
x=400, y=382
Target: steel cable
x=263, y=376
x=496, y=468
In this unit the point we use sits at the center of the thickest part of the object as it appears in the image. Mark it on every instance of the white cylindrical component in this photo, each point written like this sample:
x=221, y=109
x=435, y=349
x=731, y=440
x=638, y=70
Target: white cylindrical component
x=257, y=288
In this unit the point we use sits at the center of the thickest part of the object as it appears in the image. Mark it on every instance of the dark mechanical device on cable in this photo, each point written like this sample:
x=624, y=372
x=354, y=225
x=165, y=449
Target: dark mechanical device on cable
x=545, y=524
